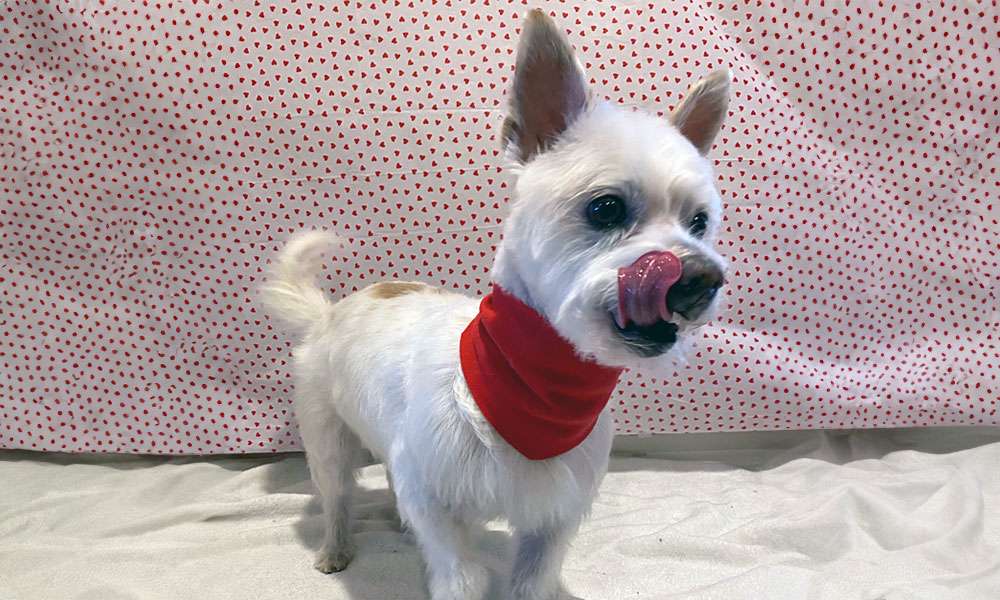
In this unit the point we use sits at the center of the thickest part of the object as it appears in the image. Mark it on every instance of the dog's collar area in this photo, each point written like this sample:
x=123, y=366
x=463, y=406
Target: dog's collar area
x=528, y=381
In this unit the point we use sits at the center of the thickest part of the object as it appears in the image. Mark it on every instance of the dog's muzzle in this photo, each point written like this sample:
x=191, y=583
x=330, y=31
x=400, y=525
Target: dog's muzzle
x=658, y=284
x=694, y=292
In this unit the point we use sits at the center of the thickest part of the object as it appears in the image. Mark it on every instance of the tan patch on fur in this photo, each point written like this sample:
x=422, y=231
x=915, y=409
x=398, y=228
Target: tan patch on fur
x=393, y=289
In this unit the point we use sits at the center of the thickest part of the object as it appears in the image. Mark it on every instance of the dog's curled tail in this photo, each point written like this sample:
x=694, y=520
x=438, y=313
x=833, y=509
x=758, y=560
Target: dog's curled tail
x=292, y=293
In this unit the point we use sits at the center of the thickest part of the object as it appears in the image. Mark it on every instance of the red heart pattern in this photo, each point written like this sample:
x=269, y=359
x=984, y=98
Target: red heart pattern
x=155, y=157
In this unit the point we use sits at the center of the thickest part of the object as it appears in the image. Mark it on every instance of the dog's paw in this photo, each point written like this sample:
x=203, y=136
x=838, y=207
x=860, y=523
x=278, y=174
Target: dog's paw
x=333, y=560
x=469, y=581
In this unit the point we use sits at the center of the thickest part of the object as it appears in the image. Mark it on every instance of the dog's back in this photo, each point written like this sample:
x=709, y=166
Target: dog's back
x=358, y=356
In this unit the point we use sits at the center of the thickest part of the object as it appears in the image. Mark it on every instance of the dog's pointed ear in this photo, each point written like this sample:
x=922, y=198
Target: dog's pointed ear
x=549, y=89
x=700, y=114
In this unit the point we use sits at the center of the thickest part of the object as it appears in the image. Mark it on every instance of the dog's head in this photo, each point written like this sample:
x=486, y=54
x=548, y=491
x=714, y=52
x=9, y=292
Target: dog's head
x=611, y=234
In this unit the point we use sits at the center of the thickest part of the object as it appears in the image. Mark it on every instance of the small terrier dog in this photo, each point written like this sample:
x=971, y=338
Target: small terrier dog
x=498, y=409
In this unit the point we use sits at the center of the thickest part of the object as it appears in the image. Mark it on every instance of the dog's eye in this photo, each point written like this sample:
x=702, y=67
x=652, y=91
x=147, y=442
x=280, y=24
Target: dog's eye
x=698, y=224
x=606, y=212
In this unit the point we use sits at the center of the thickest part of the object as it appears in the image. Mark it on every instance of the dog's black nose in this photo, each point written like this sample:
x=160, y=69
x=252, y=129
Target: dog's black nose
x=701, y=278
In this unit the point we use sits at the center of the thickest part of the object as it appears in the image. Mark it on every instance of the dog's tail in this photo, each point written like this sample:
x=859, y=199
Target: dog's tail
x=292, y=293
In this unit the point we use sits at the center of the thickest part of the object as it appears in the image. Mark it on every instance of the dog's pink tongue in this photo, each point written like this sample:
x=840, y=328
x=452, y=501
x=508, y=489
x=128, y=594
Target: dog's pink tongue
x=643, y=286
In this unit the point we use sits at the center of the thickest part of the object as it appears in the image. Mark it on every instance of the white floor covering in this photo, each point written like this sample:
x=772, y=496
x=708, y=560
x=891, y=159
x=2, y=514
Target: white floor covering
x=889, y=515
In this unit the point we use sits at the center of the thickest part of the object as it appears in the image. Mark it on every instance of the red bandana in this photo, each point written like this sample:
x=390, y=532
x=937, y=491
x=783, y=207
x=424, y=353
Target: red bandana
x=529, y=382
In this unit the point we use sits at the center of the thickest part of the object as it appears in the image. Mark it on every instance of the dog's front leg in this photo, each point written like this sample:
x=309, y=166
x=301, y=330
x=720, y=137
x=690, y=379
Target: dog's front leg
x=452, y=574
x=538, y=561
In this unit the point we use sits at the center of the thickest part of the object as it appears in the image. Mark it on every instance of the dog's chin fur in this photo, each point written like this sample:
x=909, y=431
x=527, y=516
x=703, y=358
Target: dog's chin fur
x=553, y=260
x=380, y=369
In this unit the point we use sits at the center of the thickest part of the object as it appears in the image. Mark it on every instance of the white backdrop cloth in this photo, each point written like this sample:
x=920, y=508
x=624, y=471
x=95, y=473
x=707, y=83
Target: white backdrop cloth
x=865, y=516
x=154, y=156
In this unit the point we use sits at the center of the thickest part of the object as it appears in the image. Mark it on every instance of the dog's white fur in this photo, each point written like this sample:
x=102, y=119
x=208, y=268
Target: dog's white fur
x=380, y=368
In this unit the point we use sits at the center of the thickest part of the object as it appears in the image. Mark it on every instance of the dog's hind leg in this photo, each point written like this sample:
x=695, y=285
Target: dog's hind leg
x=332, y=451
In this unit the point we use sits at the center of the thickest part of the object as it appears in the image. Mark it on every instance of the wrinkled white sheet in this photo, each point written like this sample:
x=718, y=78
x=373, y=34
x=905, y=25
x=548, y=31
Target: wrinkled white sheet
x=888, y=515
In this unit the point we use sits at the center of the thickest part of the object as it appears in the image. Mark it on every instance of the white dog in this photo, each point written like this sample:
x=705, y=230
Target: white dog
x=498, y=410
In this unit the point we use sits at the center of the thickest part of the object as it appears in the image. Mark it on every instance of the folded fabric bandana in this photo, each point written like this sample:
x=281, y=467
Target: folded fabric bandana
x=529, y=382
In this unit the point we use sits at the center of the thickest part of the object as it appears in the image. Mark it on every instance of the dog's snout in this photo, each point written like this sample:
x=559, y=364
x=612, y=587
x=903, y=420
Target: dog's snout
x=700, y=280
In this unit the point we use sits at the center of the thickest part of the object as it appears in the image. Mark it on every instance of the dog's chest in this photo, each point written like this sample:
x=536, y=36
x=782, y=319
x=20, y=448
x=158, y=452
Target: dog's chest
x=505, y=484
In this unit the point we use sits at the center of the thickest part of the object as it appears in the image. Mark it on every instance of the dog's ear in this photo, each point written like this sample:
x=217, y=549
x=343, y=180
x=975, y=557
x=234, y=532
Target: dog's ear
x=700, y=114
x=549, y=88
